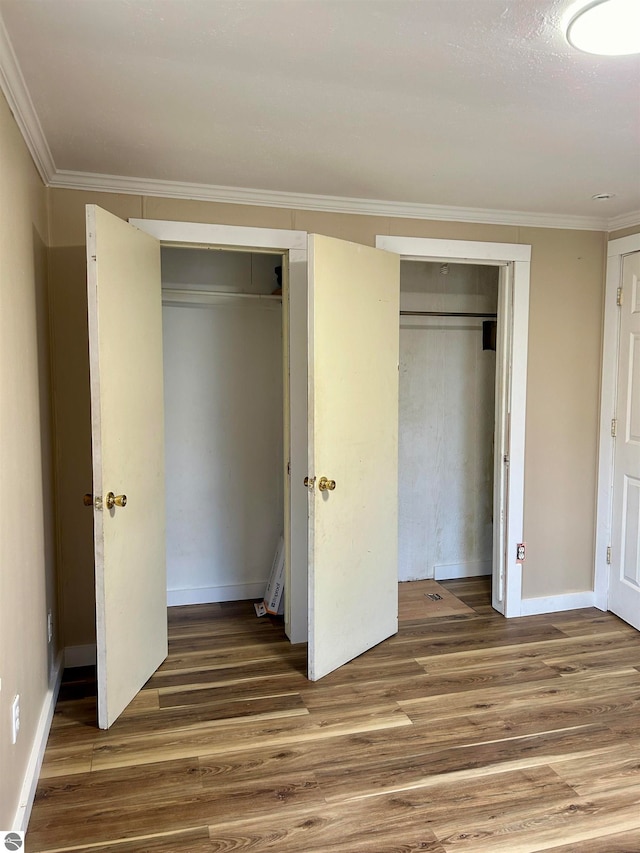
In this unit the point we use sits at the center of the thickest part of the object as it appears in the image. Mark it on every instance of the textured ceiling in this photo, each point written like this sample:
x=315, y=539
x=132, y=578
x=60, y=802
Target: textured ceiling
x=473, y=103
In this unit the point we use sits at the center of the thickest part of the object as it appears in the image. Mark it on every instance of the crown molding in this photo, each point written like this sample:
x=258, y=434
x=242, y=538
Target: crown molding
x=15, y=91
x=329, y=204
x=625, y=220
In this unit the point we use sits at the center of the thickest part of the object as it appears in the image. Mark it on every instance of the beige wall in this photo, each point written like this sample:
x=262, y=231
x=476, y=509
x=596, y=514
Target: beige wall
x=563, y=386
x=27, y=555
x=563, y=399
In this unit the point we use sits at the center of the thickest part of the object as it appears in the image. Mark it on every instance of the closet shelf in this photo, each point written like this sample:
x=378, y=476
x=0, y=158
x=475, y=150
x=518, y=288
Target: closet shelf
x=210, y=297
x=447, y=314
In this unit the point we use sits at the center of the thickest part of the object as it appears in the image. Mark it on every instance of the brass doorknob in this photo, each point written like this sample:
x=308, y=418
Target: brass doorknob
x=326, y=485
x=112, y=500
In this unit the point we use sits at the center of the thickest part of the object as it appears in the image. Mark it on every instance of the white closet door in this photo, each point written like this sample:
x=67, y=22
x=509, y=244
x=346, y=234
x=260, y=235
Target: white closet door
x=125, y=348
x=354, y=296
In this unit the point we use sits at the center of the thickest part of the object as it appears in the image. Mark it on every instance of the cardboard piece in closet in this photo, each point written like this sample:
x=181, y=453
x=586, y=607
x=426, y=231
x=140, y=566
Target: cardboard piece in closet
x=273, y=597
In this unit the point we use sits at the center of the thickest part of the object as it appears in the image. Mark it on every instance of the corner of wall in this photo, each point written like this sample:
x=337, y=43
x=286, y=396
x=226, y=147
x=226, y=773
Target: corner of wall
x=34, y=765
x=30, y=665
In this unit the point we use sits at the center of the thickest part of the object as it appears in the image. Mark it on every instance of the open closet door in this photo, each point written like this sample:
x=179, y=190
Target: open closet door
x=127, y=423
x=354, y=294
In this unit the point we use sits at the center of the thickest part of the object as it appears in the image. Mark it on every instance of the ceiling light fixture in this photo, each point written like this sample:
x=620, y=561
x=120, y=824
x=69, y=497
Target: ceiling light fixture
x=607, y=27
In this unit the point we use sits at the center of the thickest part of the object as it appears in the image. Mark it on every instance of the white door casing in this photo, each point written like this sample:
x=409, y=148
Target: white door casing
x=513, y=298
x=354, y=301
x=624, y=575
x=502, y=420
x=125, y=348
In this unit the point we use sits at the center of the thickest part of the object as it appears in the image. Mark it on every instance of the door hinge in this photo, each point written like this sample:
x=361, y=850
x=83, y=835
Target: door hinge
x=614, y=427
x=619, y=296
x=609, y=555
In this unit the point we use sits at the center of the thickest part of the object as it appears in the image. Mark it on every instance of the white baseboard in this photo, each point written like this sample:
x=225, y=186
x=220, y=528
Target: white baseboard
x=30, y=783
x=80, y=656
x=212, y=594
x=557, y=603
x=452, y=571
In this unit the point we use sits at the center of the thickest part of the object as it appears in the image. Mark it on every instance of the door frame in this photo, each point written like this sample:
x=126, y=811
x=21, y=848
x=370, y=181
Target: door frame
x=293, y=246
x=517, y=257
x=616, y=250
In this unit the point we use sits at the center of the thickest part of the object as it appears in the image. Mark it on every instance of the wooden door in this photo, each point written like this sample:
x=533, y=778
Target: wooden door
x=624, y=578
x=127, y=422
x=354, y=294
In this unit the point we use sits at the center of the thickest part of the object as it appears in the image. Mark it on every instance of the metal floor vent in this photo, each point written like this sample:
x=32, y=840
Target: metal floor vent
x=434, y=596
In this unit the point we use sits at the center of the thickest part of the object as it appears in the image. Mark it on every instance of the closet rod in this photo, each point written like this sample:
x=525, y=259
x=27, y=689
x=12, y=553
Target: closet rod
x=447, y=314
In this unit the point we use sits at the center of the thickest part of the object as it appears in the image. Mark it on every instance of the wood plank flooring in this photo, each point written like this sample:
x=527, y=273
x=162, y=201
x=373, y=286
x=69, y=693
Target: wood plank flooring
x=426, y=599
x=461, y=734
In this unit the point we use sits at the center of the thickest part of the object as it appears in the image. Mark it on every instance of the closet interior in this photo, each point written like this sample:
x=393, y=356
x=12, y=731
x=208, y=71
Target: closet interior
x=223, y=385
x=223, y=368
x=446, y=419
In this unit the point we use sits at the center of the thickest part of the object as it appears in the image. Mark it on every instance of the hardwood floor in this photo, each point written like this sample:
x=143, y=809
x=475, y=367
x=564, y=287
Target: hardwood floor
x=466, y=733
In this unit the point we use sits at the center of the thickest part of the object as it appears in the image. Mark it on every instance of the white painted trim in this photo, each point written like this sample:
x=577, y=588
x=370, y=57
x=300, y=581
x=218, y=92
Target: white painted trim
x=15, y=91
x=30, y=782
x=230, y=236
x=616, y=249
x=501, y=431
x=606, y=444
x=212, y=594
x=623, y=246
x=94, y=182
x=624, y=220
x=476, y=569
x=557, y=603
x=518, y=415
x=454, y=250
x=80, y=656
x=519, y=256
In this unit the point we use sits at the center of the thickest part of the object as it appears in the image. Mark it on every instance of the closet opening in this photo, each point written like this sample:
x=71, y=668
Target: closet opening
x=224, y=425
x=447, y=419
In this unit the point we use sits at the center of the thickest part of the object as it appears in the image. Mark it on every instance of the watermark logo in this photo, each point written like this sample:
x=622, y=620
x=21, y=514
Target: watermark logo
x=12, y=840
